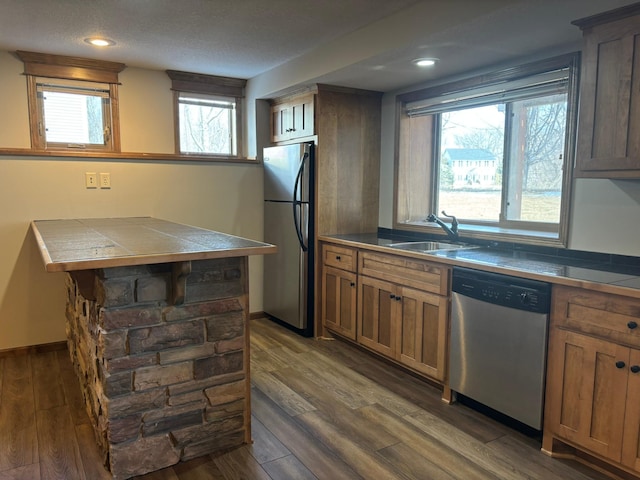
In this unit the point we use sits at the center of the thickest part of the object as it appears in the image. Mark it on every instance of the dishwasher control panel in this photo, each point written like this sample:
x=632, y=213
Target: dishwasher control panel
x=514, y=292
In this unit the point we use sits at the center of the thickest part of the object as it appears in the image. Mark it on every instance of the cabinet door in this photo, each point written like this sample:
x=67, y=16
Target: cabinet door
x=423, y=335
x=302, y=124
x=339, y=301
x=631, y=442
x=377, y=305
x=609, y=123
x=280, y=123
x=586, y=394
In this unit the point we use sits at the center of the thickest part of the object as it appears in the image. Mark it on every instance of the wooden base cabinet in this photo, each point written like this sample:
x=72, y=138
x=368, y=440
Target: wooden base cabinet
x=593, y=376
x=404, y=323
x=631, y=433
x=339, y=301
x=423, y=332
x=377, y=307
x=339, y=280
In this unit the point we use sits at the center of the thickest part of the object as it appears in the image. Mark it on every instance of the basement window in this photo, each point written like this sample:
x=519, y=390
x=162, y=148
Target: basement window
x=208, y=114
x=74, y=116
x=207, y=124
x=494, y=151
x=73, y=102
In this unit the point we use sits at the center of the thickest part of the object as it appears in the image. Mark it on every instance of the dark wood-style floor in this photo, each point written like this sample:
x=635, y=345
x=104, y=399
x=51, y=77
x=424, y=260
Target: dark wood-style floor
x=322, y=409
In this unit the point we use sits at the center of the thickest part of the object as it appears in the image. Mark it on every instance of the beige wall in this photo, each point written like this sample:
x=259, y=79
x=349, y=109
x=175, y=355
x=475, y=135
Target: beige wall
x=222, y=197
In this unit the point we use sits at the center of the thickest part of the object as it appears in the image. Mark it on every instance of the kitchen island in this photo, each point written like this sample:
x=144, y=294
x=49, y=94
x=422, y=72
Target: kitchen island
x=157, y=329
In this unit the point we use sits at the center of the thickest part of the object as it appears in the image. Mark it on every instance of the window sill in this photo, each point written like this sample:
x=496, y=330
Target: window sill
x=488, y=233
x=168, y=157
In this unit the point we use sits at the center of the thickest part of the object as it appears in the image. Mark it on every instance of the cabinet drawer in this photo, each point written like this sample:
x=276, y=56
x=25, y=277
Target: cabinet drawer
x=344, y=258
x=418, y=274
x=612, y=317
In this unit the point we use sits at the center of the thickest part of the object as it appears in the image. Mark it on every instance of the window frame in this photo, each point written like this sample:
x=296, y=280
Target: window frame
x=41, y=84
x=213, y=86
x=59, y=70
x=186, y=98
x=407, y=206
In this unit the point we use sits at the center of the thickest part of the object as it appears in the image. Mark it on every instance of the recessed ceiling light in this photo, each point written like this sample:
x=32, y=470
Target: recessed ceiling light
x=99, y=41
x=425, y=62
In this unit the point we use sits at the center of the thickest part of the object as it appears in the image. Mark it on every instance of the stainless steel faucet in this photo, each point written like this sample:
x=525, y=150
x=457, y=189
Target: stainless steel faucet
x=452, y=232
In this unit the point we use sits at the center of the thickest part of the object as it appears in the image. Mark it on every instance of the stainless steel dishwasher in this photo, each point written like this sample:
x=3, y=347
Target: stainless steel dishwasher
x=498, y=348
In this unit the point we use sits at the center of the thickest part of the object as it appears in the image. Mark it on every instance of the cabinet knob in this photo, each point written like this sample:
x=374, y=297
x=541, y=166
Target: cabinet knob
x=634, y=368
x=338, y=257
x=353, y=284
x=620, y=364
x=392, y=296
x=632, y=325
x=398, y=298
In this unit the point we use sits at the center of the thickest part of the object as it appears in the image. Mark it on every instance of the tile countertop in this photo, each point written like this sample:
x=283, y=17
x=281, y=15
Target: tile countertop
x=83, y=244
x=570, y=271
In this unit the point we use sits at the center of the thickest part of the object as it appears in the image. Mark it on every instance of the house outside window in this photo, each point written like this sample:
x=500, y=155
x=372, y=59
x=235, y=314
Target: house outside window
x=497, y=155
x=208, y=114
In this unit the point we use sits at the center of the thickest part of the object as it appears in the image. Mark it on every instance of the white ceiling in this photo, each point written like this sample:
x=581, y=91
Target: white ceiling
x=363, y=43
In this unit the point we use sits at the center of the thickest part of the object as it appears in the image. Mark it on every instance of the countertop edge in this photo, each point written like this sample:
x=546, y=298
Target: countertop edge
x=92, y=264
x=556, y=280
x=53, y=266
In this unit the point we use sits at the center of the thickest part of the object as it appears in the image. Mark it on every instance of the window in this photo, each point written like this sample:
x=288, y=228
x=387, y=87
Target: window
x=496, y=155
x=207, y=124
x=74, y=116
x=73, y=102
x=208, y=114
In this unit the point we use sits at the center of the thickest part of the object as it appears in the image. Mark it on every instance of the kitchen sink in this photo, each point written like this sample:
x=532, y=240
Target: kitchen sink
x=427, y=246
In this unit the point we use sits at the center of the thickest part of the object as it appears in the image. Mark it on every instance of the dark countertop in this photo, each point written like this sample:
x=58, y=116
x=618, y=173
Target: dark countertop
x=586, y=271
x=84, y=244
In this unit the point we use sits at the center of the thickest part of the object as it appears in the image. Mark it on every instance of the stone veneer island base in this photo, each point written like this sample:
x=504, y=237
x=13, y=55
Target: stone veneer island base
x=162, y=356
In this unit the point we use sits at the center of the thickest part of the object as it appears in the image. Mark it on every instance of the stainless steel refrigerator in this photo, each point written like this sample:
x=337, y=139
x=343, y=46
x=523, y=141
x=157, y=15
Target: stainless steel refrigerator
x=289, y=189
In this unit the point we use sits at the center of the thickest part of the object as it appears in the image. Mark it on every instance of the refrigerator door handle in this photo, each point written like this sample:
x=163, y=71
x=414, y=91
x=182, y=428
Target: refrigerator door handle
x=297, y=203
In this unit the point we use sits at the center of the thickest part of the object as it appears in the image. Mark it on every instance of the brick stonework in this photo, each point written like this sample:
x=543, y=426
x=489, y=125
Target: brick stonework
x=162, y=383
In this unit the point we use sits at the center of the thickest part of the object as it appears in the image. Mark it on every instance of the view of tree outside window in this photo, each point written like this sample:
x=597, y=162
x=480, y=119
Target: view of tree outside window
x=207, y=126
x=73, y=118
x=503, y=154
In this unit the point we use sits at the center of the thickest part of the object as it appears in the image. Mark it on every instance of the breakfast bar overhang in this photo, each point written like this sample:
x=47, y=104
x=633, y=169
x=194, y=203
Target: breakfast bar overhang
x=157, y=329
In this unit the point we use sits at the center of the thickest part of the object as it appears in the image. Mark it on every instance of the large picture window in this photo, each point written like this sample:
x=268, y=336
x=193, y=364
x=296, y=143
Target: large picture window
x=495, y=155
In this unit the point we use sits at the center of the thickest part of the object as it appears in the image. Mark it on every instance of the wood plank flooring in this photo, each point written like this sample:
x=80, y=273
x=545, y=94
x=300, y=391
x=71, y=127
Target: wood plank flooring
x=322, y=409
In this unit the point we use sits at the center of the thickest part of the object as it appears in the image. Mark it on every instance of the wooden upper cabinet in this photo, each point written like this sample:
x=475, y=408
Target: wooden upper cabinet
x=292, y=118
x=609, y=118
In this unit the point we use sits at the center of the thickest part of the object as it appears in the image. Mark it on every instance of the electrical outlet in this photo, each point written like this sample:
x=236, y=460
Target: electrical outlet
x=91, y=180
x=105, y=180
